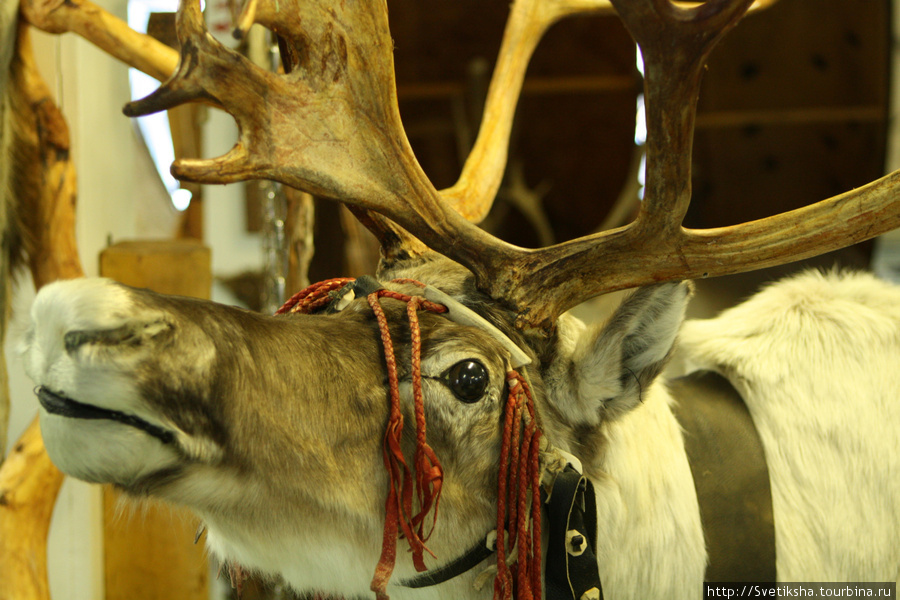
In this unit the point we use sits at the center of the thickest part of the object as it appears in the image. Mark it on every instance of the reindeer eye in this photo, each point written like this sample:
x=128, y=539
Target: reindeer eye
x=468, y=380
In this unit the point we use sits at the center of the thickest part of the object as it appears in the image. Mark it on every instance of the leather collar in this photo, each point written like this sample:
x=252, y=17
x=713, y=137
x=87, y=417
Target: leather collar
x=571, y=571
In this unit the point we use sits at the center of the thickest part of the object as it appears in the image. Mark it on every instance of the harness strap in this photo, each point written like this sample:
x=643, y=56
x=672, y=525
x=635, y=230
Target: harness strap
x=571, y=572
x=471, y=559
x=730, y=475
x=571, y=569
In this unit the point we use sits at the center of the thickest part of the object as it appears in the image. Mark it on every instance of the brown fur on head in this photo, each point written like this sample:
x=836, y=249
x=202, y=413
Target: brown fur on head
x=276, y=424
x=299, y=396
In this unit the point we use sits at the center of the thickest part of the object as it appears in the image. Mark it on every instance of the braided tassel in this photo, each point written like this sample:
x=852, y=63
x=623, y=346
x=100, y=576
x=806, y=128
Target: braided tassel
x=519, y=484
x=428, y=472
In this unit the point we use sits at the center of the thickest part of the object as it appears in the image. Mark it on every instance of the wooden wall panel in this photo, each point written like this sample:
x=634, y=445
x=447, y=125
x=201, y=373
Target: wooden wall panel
x=574, y=128
x=793, y=110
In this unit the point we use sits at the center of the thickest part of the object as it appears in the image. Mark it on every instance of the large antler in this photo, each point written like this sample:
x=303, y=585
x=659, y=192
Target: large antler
x=331, y=127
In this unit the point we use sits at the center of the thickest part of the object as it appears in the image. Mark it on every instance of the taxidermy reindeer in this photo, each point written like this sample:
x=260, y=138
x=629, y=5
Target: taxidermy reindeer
x=440, y=404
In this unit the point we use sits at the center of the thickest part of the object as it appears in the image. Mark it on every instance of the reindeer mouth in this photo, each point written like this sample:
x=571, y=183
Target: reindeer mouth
x=57, y=404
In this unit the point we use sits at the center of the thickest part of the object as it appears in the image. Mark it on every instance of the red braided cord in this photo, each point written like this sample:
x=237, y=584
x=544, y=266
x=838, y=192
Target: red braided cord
x=394, y=462
x=524, y=540
x=519, y=473
x=516, y=464
x=519, y=469
x=429, y=475
x=312, y=297
x=503, y=580
x=534, y=465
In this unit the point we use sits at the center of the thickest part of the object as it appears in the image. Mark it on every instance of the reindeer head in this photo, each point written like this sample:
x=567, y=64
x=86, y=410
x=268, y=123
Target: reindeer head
x=273, y=428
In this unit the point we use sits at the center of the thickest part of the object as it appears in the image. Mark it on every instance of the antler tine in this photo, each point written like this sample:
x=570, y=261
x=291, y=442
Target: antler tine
x=182, y=85
x=208, y=72
x=476, y=188
x=246, y=19
x=474, y=192
x=675, y=42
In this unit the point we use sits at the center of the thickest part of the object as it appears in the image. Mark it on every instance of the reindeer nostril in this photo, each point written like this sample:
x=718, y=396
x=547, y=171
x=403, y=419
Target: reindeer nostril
x=75, y=339
x=133, y=334
x=117, y=336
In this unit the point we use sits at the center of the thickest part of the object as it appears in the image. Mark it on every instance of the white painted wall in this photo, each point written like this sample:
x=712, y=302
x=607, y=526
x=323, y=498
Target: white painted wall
x=119, y=197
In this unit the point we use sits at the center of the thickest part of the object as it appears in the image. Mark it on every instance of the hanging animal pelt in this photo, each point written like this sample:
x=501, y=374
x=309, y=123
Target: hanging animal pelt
x=9, y=239
x=37, y=180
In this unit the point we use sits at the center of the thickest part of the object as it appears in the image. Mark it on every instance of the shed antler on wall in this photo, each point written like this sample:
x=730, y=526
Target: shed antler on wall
x=331, y=126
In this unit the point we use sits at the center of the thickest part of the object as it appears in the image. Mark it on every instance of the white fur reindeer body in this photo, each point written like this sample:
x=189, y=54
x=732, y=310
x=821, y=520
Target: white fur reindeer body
x=812, y=355
x=815, y=359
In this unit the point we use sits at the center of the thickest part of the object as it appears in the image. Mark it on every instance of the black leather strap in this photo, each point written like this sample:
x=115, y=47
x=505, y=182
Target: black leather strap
x=467, y=561
x=361, y=287
x=571, y=563
x=731, y=478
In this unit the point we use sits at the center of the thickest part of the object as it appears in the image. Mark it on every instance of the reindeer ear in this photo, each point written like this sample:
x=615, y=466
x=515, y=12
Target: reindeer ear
x=616, y=362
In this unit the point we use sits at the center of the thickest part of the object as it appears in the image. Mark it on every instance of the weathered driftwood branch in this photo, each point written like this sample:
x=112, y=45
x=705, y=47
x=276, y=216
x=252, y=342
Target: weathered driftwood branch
x=46, y=182
x=29, y=483
x=45, y=178
x=105, y=31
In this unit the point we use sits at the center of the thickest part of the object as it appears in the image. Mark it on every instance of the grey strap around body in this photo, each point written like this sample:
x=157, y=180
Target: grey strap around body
x=731, y=478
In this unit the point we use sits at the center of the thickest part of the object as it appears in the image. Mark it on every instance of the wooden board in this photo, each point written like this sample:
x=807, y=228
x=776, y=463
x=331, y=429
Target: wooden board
x=149, y=550
x=793, y=110
x=179, y=267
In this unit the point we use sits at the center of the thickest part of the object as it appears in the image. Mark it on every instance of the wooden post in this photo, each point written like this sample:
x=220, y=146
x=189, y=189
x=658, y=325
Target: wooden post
x=150, y=554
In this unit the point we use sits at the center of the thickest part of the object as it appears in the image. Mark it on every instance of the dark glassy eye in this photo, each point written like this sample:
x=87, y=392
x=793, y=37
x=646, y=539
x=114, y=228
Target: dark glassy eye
x=468, y=380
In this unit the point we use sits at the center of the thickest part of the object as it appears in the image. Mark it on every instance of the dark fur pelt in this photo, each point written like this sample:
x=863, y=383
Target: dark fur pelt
x=18, y=169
